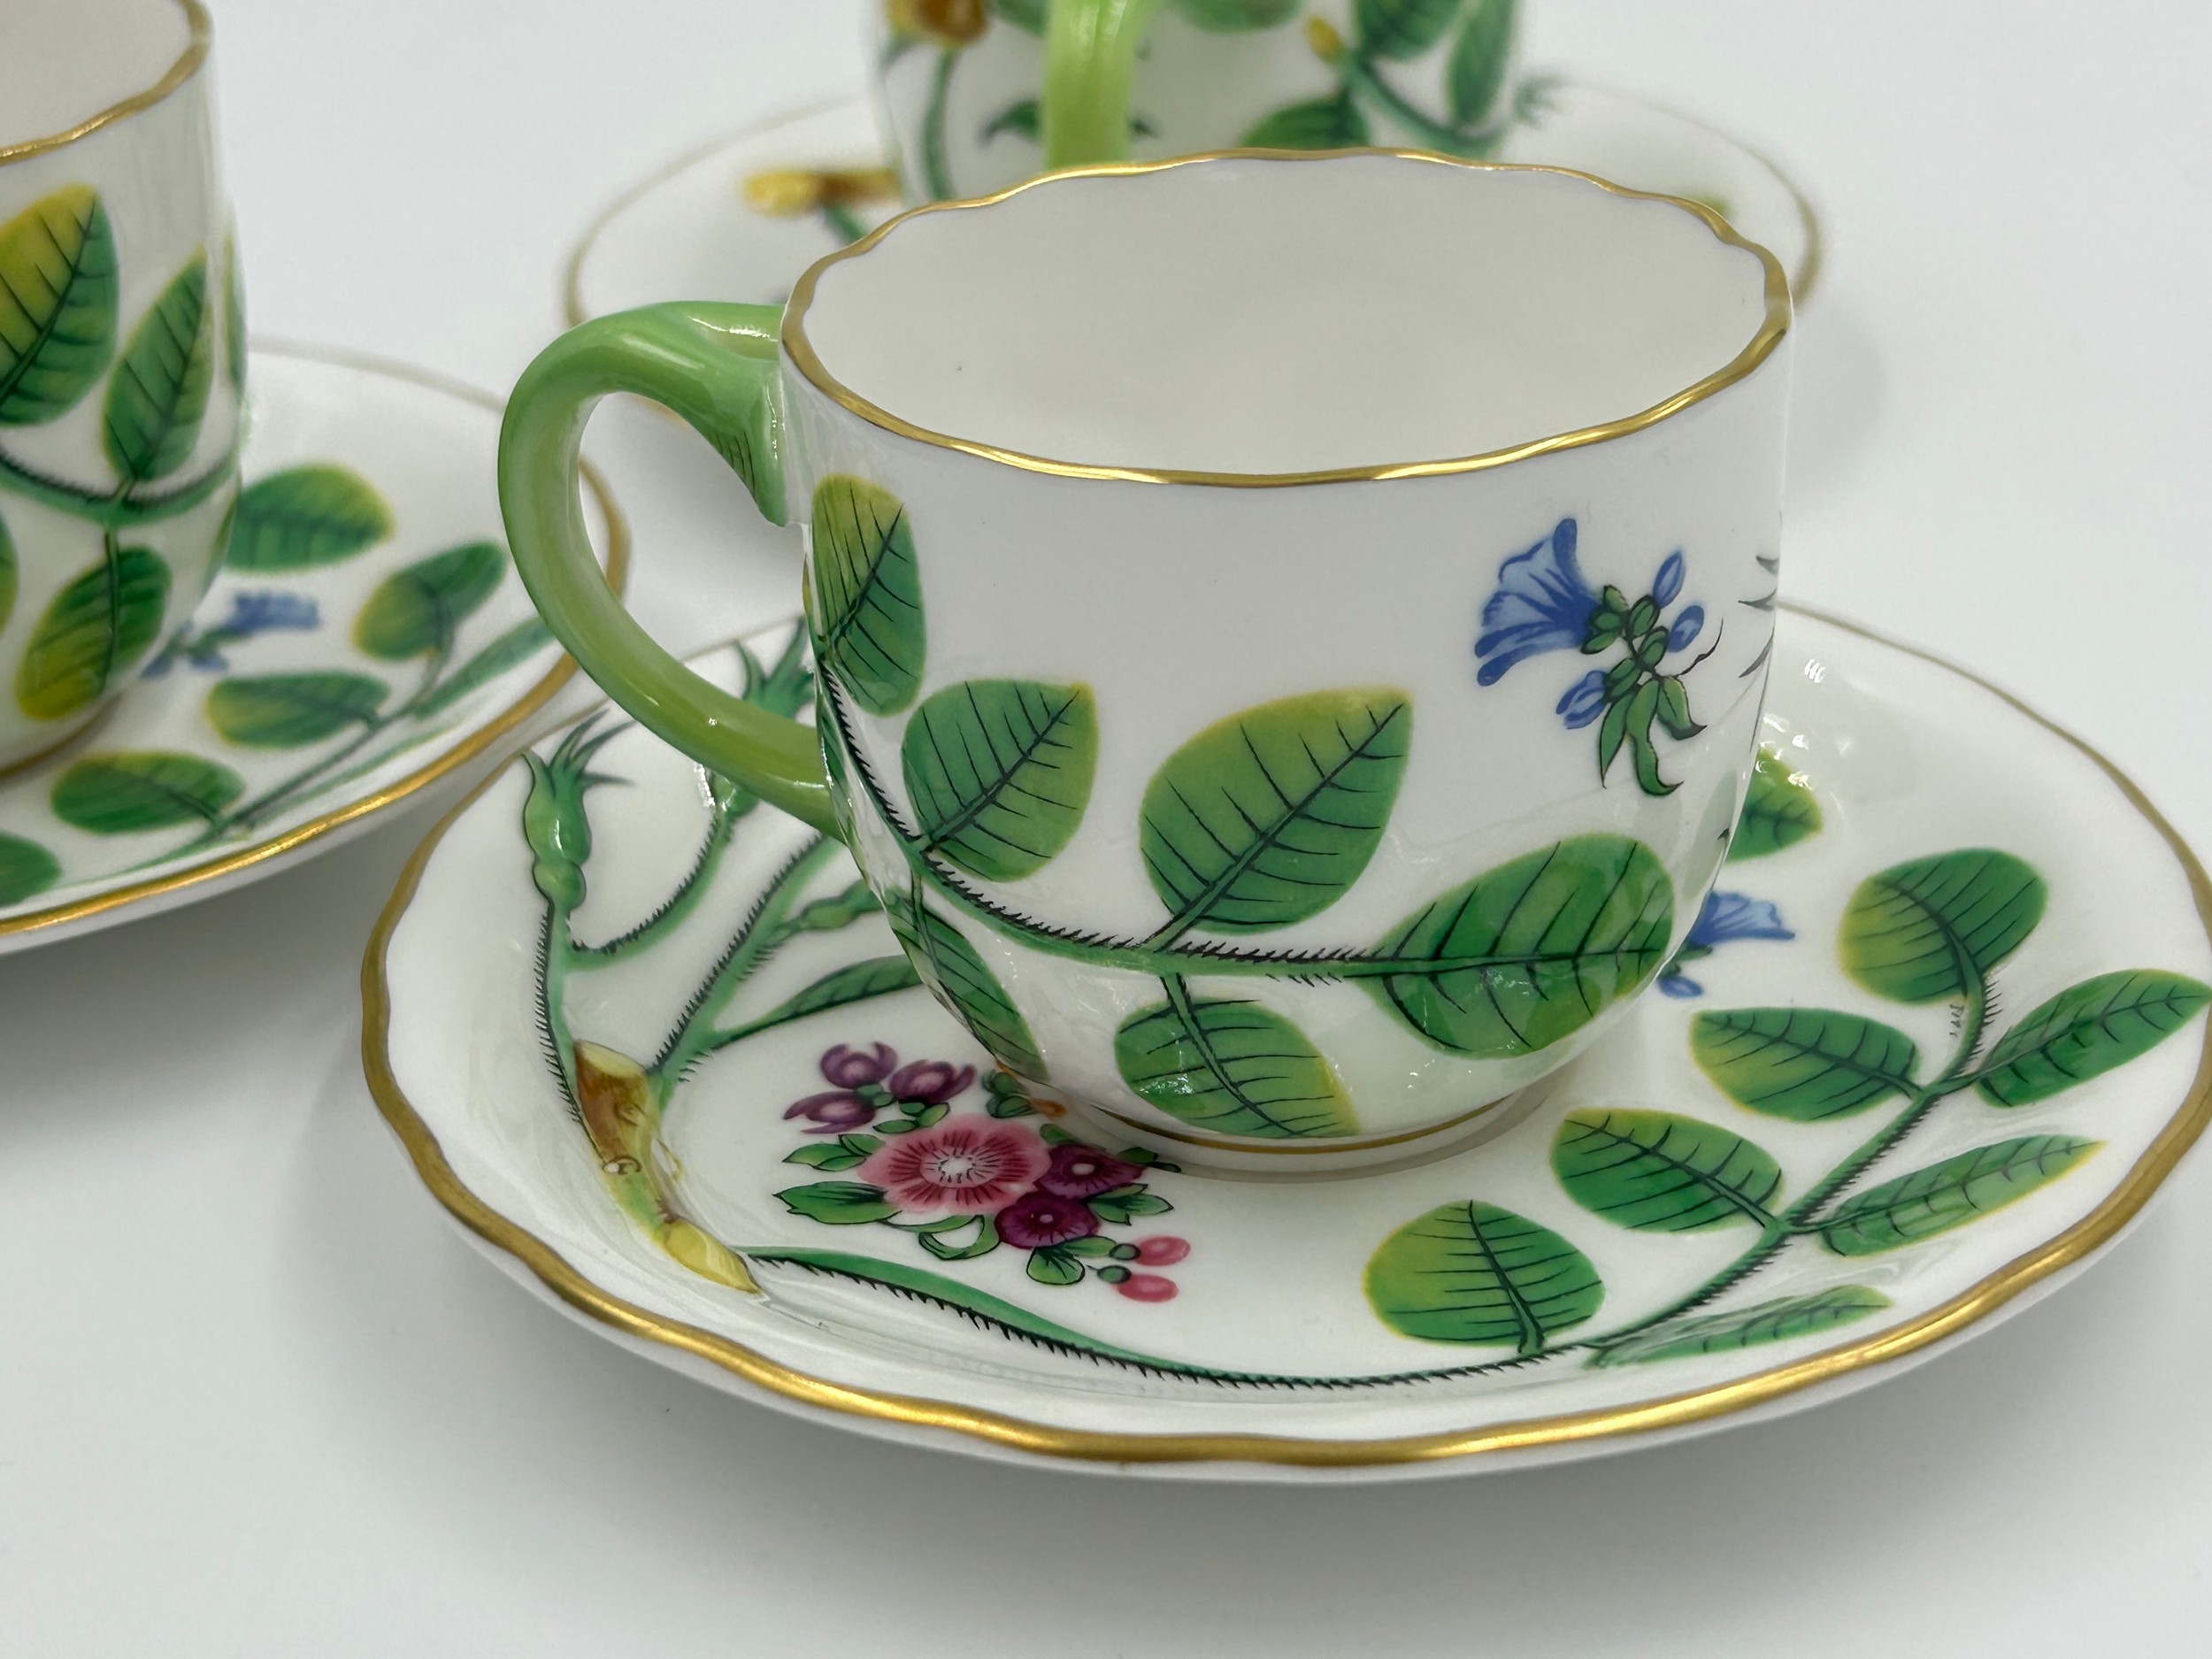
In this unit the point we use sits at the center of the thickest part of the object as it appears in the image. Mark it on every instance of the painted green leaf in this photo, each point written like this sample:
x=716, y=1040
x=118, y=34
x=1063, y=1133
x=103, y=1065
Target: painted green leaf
x=148, y=790
x=290, y=711
x=8, y=574
x=307, y=517
x=95, y=630
x=1531, y=951
x=949, y=966
x=1231, y=1068
x=855, y=982
x=1024, y=117
x=1950, y=1194
x=998, y=772
x=840, y=1204
x=2086, y=1031
x=1660, y=1173
x=1779, y=810
x=1269, y=817
x=1331, y=123
x=1480, y=57
x=1774, y=1320
x=1932, y=929
x=1472, y=1272
x=827, y=1156
x=1023, y=14
x=1229, y=16
x=234, y=316
x=1807, y=1064
x=867, y=594
x=1402, y=28
x=517, y=645
x=1055, y=1266
x=418, y=611
x=57, y=293
x=26, y=868
x=157, y=395
x=1125, y=1204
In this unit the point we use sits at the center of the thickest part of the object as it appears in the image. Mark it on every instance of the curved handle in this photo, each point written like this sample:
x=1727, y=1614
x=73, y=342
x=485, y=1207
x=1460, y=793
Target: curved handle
x=1090, y=58
x=715, y=366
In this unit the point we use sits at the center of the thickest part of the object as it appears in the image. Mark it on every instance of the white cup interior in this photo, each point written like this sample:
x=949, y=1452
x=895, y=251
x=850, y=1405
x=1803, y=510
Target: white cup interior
x=62, y=62
x=1249, y=317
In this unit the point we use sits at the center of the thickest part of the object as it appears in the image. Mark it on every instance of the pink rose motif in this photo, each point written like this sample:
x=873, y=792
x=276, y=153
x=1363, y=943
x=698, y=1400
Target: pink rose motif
x=1081, y=1172
x=929, y=1082
x=1038, y=1219
x=849, y=1068
x=831, y=1113
x=963, y=1164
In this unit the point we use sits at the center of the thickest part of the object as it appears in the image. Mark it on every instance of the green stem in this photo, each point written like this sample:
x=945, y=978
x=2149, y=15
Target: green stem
x=115, y=511
x=721, y=831
x=937, y=173
x=764, y=932
x=1361, y=75
x=843, y=223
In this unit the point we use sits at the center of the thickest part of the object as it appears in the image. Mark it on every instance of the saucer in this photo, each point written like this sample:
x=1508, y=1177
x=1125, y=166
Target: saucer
x=741, y=219
x=1926, y=1052
x=365, y=638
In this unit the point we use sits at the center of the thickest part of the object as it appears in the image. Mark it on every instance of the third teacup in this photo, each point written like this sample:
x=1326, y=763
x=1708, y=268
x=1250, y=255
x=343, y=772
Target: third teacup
x=1291, y=631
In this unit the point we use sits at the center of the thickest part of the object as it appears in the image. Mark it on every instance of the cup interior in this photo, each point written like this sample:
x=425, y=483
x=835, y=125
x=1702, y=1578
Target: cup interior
x=66, y=61
x=1250, y=316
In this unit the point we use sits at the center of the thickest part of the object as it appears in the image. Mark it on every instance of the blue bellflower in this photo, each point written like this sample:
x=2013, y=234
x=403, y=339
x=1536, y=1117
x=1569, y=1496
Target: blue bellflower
x=1723, y=918
x=1542, y=604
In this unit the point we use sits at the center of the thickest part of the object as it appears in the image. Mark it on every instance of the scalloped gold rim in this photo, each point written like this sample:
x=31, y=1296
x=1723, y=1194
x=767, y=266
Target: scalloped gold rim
x=2086, y=1236
x=500, y=724
x=200, y=35
x=1773, y=326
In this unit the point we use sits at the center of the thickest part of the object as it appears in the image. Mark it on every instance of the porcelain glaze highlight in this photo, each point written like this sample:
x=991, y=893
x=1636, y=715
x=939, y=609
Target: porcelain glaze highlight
x=122, y=360
x=1982, y=1051
x=1198, y=792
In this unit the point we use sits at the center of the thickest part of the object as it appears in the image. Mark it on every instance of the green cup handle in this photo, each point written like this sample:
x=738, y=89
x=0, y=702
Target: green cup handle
x=1090, y=58
x=715, y=366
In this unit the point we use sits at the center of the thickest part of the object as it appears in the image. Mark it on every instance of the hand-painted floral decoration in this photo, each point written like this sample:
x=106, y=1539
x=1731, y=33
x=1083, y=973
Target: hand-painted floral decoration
x=1724, y=916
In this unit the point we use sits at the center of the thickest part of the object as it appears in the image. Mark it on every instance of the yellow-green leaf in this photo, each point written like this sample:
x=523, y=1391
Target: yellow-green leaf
x=95, y=630
x=306, y=517
x=998, y=772
x=119, y=794
x=1231, y=1067
x=1472, y=1272
x=418, y=611
x=57, y=297
x=157, y=395
x=866, y=594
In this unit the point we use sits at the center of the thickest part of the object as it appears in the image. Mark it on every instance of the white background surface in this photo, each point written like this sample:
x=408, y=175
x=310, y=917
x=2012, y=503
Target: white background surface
x=256, y=1398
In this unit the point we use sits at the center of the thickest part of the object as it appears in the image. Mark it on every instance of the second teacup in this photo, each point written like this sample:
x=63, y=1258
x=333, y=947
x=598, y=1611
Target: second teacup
x=1291, y=631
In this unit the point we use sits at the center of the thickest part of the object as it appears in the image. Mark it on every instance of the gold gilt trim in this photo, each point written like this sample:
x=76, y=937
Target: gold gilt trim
x=200, y=35
x=1773, y=327
x=260, y=852
x=2021, y=1273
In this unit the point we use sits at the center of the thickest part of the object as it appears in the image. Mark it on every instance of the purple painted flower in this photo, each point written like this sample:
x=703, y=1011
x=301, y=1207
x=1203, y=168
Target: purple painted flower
x=1080, y=1172
x=832, y=1113
x=1037, y=1219
x=849, y=1068
x=1541, y=604
x=1723, y=918
x=1686, y=627
x=1668, y=583
x=1584, y=700
x=929, y=1082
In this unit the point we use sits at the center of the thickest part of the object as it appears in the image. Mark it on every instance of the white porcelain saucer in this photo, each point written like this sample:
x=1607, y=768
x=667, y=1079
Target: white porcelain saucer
x=1926, y=1053
x=366, y=638
x=724, y=224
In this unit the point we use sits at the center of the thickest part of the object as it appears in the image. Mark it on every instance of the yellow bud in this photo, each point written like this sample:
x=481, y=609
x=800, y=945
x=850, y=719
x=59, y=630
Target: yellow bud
x=614, y=1097
x=708, y=1257
x=855, y=186
x=1321, y=35
x=785, y=193
x=951, y=24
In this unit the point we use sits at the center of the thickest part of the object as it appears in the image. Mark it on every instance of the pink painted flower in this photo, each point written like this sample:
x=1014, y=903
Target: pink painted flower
x=963, y=1164
x=831, y=1113
x=1037, y=1219
x=1161, y=1249
x=1081, y=1172
x=849, y=1068
x=929, y=1082
x=1147, y=1287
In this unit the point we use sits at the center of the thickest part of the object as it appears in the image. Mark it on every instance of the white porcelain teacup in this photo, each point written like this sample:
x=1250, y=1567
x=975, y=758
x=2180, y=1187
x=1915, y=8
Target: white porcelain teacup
x=1291, y=631
x=122, y=352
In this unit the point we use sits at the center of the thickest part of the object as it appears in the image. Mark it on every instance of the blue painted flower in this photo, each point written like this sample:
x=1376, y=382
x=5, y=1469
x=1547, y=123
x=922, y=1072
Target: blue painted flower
x=1668, y=581
x=1584, y=700
x=1686, y=626
x=1541, y=604
x=1725, y=917
x=250, y=613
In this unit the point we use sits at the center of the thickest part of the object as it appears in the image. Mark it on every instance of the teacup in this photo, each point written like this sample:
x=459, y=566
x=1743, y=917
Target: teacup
x=977, y=94
x=122, y=352
x=1290, y=631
